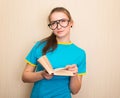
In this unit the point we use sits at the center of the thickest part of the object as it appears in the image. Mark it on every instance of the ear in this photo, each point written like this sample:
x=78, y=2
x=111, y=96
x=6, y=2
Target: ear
x=71, y=23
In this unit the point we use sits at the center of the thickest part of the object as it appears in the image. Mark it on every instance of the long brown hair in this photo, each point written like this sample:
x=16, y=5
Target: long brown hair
x=51, y=42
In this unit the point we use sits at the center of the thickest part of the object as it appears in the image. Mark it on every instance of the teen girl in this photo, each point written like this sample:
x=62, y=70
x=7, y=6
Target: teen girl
x=61, y=52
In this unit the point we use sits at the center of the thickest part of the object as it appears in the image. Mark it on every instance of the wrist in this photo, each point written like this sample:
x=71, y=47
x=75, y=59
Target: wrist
x=75, y=75
x=42, y=74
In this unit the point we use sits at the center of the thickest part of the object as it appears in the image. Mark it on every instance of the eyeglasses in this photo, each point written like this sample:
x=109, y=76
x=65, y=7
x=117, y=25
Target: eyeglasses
x=62, y=22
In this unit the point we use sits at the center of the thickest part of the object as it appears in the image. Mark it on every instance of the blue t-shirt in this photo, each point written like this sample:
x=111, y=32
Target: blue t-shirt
x=65, y=54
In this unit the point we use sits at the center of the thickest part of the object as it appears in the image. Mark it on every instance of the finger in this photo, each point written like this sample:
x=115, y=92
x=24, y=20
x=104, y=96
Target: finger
x=74, y=65
x=67, y=67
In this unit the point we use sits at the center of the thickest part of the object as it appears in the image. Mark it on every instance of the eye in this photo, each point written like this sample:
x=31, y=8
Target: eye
x=63, y=20
x=53, y=23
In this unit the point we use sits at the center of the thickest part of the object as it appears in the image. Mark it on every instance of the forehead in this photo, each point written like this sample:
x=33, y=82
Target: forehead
x=57, y=16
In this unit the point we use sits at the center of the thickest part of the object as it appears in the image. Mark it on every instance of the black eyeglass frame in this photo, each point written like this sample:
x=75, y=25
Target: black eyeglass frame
x=58, y=22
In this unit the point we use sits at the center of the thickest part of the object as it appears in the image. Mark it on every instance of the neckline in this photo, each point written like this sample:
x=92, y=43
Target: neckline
x=65, y=43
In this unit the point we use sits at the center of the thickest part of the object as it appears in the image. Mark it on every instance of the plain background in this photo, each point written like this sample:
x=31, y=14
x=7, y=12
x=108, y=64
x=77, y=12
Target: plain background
x=96, y=29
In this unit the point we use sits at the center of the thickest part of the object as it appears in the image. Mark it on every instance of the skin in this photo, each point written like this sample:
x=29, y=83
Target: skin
x=62, y=35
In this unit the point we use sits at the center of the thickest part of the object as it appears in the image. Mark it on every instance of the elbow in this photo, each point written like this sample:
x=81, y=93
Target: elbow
x=23, y=79
x=26, y=79
x=74, y=92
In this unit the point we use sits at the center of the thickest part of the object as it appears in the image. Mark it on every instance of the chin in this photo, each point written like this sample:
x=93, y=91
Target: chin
x=60, y=35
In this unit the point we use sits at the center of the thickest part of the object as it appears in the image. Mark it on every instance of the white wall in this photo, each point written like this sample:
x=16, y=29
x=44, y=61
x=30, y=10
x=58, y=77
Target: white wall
x=96, y=29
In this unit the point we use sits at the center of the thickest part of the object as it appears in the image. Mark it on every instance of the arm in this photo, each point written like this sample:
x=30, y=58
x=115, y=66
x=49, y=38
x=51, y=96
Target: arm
x=29, y=75
x=75, y=83
x=76, y=80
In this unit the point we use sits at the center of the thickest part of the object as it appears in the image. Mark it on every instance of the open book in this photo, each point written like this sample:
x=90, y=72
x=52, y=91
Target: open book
x=48, y=67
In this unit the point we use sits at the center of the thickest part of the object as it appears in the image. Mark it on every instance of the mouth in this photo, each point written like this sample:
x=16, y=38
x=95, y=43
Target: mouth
x=59, y=32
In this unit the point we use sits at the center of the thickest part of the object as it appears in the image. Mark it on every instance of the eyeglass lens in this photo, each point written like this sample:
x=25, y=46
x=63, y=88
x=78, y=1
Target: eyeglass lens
x=62, y=22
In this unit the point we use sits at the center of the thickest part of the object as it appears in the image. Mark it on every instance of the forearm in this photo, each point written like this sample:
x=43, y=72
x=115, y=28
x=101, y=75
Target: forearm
x=31, y=77
x=75, y=84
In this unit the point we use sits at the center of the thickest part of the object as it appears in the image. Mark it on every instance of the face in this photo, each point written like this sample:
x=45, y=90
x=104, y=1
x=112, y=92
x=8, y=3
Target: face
x=60, y=24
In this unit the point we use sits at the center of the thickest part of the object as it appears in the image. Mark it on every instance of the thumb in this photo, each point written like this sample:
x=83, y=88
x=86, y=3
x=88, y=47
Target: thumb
x=67, y=67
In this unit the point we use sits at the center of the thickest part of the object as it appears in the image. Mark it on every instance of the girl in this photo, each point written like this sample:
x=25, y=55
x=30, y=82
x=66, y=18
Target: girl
x=61, y=52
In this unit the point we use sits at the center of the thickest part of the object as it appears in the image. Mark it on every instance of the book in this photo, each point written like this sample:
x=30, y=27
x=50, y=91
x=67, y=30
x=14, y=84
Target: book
x=48, y=67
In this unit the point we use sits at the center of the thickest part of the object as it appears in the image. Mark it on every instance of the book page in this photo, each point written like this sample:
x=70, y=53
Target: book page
x=47, y=61
x=62, y=72
x=45, y=64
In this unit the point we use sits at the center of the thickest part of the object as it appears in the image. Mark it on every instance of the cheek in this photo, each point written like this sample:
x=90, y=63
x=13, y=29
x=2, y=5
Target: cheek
x=55, y=32
x=68, y=29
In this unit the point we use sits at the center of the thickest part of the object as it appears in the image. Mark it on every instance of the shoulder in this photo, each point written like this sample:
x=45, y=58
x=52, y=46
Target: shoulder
x=37, y=48
x=78, y=49
x=39, y=44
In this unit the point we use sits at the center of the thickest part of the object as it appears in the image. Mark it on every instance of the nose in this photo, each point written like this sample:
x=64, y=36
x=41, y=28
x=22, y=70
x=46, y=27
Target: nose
x=58, y=26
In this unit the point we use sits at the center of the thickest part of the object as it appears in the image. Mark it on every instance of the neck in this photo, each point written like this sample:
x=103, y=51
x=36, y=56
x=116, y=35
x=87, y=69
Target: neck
x=63, y=40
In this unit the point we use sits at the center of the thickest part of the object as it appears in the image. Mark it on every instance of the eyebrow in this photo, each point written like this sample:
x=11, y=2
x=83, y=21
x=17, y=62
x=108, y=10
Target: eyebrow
x=59, y=19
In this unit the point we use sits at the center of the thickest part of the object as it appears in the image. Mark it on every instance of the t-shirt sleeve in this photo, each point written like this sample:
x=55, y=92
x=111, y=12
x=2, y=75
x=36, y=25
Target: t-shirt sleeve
x=31, y=58
x=82, y=64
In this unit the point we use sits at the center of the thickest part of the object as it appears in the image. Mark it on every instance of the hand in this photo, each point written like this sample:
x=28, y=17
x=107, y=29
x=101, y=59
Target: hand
x=46, y=75
x=73, y=68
